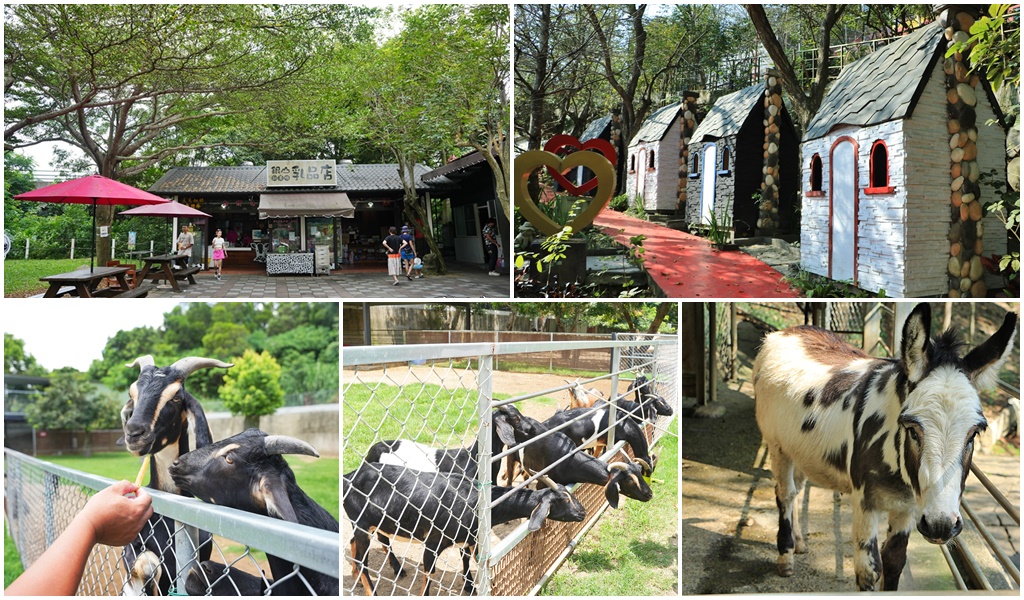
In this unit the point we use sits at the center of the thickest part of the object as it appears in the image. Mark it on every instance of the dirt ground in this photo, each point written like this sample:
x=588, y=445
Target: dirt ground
x=730, y=519
x=447, y=579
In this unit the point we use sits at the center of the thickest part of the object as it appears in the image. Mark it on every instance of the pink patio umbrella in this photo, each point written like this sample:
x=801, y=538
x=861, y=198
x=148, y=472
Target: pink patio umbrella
x=95, y=190
x=172, y=209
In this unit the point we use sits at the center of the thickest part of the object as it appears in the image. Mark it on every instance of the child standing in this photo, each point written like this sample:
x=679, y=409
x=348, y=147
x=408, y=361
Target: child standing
x=394, y=244
x=218, y=253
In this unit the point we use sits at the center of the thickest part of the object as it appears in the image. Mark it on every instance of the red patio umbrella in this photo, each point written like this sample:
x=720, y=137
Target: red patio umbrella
x=172, y=209
x=95, y=190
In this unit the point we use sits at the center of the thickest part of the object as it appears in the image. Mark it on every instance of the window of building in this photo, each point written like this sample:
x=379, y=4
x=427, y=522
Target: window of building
x=879, y=169
x=816, y=175
x=726, y=155
x=632, y=163
x=650, y=160
x=695, y=166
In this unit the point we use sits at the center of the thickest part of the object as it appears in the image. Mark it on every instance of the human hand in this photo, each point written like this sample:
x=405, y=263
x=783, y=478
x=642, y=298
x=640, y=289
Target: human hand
x=115, y=518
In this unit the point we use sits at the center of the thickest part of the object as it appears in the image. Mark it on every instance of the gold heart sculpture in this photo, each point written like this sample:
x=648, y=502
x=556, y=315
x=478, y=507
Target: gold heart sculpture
x=530, y=161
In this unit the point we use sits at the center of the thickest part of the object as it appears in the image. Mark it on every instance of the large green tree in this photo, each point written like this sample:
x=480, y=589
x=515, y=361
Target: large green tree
x=131, y=85
x=71, y=402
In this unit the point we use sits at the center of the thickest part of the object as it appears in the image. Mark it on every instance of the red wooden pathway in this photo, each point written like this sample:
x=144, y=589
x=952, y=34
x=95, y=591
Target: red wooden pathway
x=686, y=266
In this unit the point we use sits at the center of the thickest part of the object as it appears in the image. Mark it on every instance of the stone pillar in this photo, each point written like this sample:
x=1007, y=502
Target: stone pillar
x=768, y=213
x=687, y=123
x=615, y=137
x=966, y=273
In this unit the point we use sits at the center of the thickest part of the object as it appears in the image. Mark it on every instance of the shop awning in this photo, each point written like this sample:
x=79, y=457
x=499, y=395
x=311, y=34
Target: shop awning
x=306, y=204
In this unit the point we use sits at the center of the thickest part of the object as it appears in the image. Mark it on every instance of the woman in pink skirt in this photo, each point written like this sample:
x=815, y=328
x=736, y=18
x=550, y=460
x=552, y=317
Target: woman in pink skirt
x=218, y=253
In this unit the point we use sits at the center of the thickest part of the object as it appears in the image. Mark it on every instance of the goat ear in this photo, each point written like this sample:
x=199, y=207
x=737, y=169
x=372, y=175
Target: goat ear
x=611, y=490
x=983, y=363
x=540, y=513
x=275, y=497
x=916, y=344
x=505, y=432
x=198, y=428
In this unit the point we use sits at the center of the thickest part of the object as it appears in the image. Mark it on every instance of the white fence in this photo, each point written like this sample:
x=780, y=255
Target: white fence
x=442, y=395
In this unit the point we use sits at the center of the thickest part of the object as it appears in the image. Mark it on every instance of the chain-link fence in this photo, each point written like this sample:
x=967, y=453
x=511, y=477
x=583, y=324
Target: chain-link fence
x=418, y=449
x=41, y=499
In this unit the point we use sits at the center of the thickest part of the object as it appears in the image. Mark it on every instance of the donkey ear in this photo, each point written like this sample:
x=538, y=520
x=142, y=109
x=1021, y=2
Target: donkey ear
x=916, y=342
x=983, y=363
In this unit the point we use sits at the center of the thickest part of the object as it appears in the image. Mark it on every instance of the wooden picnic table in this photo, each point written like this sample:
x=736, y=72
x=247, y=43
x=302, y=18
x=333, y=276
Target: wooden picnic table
x=161, y=267
x=84, y=281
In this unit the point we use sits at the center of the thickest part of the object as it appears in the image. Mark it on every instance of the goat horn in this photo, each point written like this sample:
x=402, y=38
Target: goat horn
x=618, y=466
x=283, y=444
x=548, y=482
x=190, y=364
x=142, y=362
x=643, y=463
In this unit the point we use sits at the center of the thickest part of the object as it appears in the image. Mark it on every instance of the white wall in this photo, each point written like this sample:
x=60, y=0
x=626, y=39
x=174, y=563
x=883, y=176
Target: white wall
x=316, y=425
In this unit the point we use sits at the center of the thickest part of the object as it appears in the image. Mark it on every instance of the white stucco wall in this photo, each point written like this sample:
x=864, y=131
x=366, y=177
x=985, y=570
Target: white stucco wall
x=660, y=189
x=881, y=235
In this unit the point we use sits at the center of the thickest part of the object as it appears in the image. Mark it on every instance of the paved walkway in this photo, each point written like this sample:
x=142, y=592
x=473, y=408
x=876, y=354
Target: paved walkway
x=686, y=266
x=462, y=281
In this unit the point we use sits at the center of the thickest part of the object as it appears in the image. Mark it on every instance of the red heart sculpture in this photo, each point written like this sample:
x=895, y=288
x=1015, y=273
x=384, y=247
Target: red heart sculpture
x=563, y=141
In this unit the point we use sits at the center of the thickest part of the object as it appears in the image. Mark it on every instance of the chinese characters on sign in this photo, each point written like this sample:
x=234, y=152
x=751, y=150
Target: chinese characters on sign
x=292, y=173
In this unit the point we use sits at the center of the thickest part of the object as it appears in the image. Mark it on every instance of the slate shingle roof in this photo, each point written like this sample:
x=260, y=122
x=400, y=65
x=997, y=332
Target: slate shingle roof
x=595, y=128
x=883, y=86
x=726, y=117
x=656, y=125
x=253, y=179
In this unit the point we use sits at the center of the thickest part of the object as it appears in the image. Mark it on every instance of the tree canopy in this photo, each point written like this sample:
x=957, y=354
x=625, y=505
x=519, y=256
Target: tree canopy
x=140, y=88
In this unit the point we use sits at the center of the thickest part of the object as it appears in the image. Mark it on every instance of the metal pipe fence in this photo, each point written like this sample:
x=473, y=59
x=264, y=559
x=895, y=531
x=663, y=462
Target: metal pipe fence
x=442, y=396
x=41, y=499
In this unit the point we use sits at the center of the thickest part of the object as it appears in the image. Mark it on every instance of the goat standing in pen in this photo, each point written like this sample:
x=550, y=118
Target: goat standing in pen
x=163, y=420
x=247, y=472
x=438, y=509
x=896, y=434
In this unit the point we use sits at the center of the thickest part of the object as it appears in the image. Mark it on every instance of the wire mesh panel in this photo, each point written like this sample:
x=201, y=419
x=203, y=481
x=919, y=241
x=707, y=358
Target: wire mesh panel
x=418, y=451
x=42, y=499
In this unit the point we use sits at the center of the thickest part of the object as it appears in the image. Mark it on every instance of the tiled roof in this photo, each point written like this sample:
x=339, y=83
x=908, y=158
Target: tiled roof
x=596, y=128
x=656, y=125
x=726, y=117
x=464, y=162
x=882, y=86
x=253, y=179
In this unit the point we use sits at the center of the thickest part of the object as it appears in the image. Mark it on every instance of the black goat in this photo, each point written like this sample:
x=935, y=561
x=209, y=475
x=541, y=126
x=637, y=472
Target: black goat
x=215, y=579
x=246, y=471
x=163, y=420
x=652, y=403
x=583, y=426
x=515, y=428
x=427, y=458
x=437, y=509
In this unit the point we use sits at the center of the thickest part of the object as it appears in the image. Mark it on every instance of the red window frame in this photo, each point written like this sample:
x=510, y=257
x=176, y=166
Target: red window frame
x=874, y=178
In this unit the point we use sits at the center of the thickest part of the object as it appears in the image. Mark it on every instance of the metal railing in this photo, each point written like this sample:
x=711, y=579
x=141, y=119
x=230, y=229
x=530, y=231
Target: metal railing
x=41, y=499
x=387, y=388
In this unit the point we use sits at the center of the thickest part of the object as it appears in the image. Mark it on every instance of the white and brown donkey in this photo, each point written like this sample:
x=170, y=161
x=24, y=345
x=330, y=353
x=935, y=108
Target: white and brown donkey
x=897, y=435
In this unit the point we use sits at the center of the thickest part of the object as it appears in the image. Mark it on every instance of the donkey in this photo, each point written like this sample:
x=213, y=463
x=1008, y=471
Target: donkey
x=897, y=434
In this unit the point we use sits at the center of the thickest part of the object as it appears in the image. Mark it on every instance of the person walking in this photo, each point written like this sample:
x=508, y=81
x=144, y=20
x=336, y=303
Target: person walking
x=408, y=251
x=394, y=243
x=492, y=241
x=219, y=254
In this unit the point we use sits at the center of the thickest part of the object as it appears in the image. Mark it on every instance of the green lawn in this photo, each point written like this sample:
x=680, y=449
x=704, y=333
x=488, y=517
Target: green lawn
x=424, y=412
x=21, y=277
x=633, y=550
x=12, y=562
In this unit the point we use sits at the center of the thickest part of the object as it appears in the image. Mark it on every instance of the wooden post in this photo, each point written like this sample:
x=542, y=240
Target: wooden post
x=702, y=396
x=713, y=351
x=72, y=250
x=872, y=328
x=734, y=335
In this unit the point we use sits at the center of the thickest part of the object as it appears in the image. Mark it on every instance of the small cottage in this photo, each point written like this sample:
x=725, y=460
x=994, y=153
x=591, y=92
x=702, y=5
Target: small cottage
x=890, y=173
x=607, y=128
x=743, y=161
x=652, y=161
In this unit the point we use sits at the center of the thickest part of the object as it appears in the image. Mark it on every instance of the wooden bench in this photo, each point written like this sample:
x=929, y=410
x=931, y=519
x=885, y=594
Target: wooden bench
x=140, y=291
x=188, y=273
x=67, y=289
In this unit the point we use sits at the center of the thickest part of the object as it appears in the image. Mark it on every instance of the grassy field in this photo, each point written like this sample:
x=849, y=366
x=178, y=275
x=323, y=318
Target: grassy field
x=317, y=476
x=631, y=551
x=21, y=277
x=425, y=413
